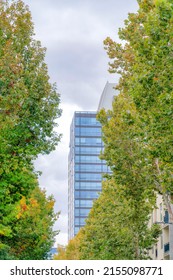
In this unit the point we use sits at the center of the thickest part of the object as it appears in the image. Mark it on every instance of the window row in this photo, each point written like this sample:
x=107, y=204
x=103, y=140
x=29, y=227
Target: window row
x=88, y=150
x=88, y=159
x=86, y=194
x=88, y=176
x=91, y=168
x=88, y=185
x=82, y=211
x=88, y=141
x=86, y=121
x=83, y=203
x=88, y=131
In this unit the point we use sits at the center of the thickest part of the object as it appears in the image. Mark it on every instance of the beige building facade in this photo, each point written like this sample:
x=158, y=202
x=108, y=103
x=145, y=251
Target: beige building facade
x=163, y=249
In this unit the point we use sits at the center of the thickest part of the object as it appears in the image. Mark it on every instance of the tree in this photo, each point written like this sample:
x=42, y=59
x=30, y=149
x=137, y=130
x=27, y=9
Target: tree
x=29, y=103
x=33, y=234
x=73, y=247
x=117, y=226
x=144, y=62
x=29, y=108
x=17, y=180
x=61, y=255
x=111, y=233
x=72, y=250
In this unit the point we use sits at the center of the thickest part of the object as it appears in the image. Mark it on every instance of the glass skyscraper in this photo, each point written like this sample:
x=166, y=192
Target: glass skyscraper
x=85, y=168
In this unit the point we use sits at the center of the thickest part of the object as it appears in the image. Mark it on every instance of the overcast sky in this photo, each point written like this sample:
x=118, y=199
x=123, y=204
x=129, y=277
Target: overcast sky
x=73, y=32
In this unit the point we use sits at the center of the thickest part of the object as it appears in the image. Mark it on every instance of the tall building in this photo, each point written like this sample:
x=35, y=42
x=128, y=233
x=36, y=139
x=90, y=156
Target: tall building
x=85, y=168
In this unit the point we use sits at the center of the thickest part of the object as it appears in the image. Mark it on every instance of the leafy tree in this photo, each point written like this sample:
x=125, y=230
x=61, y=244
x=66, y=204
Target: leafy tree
x=33, y=235
x=144, y=62
x=72, y=250
x=111, y=233
x=5, y=254
x=29, y=108
x=117, y=227
x=28, y=101
x=73, y=247
x=16, y=181
x=61, y=255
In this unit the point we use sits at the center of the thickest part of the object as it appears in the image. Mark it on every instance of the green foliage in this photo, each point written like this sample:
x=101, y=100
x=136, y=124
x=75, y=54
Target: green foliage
x=145, y=64
x=29, y=108
x=28, y=102
x=61, y=255
x=111, y=233
x=5, y=254
x=33, y=235
x=72, y=250
x=117, y=226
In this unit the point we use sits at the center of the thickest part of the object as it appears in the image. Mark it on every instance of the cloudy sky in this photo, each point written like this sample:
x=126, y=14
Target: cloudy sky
x=73, y=32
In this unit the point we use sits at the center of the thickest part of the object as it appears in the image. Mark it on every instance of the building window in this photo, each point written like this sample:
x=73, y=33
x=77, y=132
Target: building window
x=83, y=203
x=161, y=241
x=161, y=216
x=156, y=253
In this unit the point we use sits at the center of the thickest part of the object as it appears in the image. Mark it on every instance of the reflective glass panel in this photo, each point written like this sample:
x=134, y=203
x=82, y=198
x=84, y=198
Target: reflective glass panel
x=86, y=194
x=88, y=185
x=86, y=121
x=88, y=176
x=83, y=203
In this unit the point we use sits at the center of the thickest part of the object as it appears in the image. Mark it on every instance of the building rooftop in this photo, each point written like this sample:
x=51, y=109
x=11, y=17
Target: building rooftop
x=107, y=96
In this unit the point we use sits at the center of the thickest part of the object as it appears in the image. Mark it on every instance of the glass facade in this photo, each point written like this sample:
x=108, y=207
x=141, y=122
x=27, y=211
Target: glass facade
x=85, y=168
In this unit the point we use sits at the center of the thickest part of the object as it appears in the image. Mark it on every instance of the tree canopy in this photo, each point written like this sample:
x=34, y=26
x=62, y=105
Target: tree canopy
x=144, y=61
x=116, y=229
x=117, y=226
x=33, y=233
x=29, y=108
x=72, y=250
